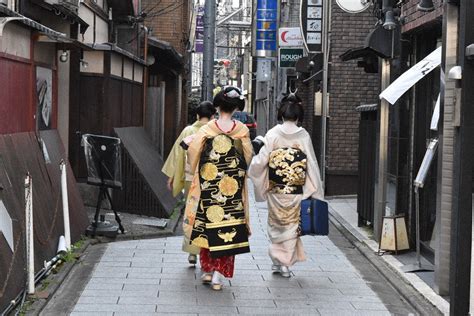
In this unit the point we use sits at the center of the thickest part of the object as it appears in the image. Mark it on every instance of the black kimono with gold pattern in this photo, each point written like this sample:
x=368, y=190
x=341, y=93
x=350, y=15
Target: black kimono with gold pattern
x=220, y=222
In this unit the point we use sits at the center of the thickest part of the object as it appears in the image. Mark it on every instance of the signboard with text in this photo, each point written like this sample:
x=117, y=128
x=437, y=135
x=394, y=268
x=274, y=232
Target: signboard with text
x=290, y=37
x=266, y=28
x=289, y=57
x=199, y=41
x=311, y=23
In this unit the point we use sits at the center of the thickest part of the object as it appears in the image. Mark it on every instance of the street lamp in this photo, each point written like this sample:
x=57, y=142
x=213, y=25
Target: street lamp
x=390, y=23
x=425, y=5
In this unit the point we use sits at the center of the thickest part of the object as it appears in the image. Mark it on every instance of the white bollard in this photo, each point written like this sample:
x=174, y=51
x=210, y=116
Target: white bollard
x=30, y=246
x=64, y=194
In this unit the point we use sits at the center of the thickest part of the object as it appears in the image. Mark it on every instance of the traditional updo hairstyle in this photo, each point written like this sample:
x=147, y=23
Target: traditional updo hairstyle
x=291, y=109
x=229, y=99
x=205, y=109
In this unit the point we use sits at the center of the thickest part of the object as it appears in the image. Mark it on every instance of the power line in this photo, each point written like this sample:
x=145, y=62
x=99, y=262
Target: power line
x=153, y=8
x=160, y=10
x=163, y=11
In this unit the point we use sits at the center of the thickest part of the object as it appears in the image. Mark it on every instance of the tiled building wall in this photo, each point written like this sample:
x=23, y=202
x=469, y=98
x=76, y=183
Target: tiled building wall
x=415, y=18
x=169, y=21
x=349, y=87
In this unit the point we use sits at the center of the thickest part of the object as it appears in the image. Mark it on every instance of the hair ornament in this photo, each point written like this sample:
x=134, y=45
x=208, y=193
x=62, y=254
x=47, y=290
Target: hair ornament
x=292, y=93
x=232, y=94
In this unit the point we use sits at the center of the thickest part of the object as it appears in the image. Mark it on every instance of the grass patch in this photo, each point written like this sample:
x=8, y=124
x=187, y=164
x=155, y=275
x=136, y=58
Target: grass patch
x=26, y=306
x=72, y=254
x=44, y=285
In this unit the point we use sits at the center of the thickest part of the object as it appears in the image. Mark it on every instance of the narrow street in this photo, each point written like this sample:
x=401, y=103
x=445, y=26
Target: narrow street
x=152, y=277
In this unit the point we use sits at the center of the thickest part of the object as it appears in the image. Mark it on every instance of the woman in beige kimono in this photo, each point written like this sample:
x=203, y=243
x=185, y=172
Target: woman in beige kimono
x=216, y=215
x=285, y=172
x=178, y=169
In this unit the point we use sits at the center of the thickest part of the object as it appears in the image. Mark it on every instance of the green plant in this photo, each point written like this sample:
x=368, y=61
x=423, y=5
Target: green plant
x=69, y=255
x=80, y=243
x=26, y=306
x=44, y=284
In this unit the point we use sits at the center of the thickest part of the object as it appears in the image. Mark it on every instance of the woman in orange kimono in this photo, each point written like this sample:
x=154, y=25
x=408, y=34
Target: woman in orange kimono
x=177, y=167
x=216, y=215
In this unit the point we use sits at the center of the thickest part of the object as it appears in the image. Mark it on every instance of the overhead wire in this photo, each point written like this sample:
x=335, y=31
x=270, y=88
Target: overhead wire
x=160, y=10
x=148, y=11
x=169, y=9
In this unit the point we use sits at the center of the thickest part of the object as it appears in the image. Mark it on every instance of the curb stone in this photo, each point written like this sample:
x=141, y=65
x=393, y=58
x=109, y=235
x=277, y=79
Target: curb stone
x=56, y=280
x=420, y=303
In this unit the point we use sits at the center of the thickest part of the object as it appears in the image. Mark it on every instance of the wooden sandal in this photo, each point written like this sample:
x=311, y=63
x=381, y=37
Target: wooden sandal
x=216, y=286
x=206, y=278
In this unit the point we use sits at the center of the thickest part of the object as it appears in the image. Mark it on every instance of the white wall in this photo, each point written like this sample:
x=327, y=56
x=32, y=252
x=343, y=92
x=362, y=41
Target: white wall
x=16, y=40
x=95, y=61
x=102, y=31
x=138, y=73
x=116, y=65
x=128, y=69
x=101, y=27
x=88, y=16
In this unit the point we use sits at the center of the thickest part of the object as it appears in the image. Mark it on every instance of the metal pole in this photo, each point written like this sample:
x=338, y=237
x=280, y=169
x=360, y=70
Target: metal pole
x=145, y=73
x=417, y=239
x=382, y=154
x=461, y=229
x=208, y=55
x=417, y=266
x=325, y=105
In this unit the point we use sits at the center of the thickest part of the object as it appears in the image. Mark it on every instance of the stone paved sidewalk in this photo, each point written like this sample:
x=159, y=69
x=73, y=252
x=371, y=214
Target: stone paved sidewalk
x=149, y=277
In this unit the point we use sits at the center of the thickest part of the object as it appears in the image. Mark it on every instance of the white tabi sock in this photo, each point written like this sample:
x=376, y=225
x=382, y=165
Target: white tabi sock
x=216, y=278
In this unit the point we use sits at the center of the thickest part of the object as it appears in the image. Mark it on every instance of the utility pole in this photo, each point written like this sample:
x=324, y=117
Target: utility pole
x=325, y=105
x=461, y=229
x=208, y=55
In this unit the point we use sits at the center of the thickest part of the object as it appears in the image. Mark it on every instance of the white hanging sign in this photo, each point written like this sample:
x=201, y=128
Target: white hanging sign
x=410, y=77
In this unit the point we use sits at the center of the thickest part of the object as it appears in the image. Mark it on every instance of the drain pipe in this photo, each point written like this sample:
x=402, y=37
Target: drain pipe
x=64, y=194
x=45, y=271
x=30, y=247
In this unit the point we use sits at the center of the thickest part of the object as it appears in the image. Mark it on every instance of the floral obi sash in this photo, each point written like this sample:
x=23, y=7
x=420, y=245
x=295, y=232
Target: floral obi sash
x=287, y=171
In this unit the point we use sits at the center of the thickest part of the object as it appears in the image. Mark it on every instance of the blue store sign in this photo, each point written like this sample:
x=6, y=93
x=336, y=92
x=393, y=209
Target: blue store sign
x=266, y=33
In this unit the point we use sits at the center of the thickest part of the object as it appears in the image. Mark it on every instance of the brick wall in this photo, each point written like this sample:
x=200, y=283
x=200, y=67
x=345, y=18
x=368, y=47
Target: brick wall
x=349, y=87
x=169, y=21
x=415, y=19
